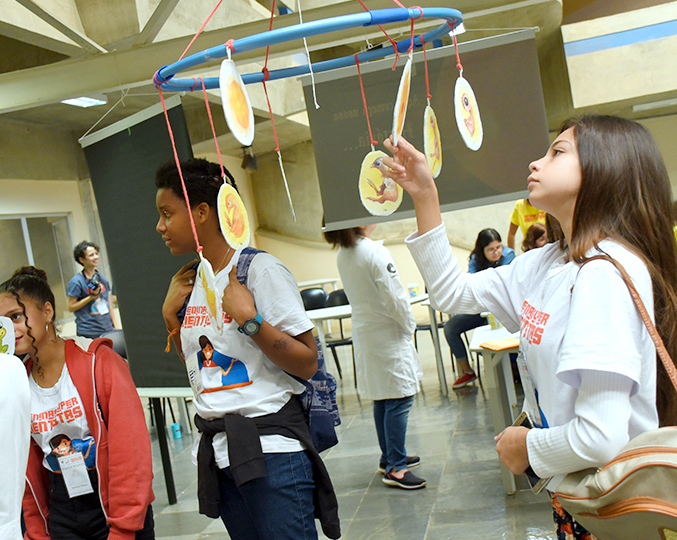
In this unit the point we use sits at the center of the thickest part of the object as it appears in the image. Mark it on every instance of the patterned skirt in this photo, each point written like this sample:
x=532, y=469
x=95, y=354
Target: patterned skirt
x=567, y=527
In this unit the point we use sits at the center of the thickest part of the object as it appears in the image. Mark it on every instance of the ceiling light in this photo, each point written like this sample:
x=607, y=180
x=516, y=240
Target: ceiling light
x=654, y=105
x=85, y=101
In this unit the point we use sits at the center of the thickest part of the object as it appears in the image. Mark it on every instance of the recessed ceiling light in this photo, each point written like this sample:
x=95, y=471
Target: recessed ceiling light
x=84, y=101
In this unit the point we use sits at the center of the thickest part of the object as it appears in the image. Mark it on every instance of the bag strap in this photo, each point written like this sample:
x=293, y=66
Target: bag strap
x=653, y=332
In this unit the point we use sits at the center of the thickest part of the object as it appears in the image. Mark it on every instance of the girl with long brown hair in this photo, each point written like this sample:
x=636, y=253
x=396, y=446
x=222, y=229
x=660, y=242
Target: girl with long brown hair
x=592, y=364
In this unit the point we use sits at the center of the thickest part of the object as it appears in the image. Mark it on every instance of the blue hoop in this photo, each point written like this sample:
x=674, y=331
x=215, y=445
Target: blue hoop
x=163, y=78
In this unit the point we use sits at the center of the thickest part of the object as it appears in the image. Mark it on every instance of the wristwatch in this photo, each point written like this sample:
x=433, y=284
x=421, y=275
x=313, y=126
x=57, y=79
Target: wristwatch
x=251, y=326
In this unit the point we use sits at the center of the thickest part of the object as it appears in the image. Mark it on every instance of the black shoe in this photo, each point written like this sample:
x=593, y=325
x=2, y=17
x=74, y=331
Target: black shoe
x=412, y=461
x=408, y=481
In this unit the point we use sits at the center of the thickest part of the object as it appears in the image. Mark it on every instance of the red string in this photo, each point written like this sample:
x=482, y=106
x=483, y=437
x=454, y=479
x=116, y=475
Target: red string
x=411, y=45
x=364, y=100
x=458, y=58
x=266, y=76
x=392, y=41
x=200, y=30
x=425, y=63
x=229, y=45
x=211, y=123
x=178, y=168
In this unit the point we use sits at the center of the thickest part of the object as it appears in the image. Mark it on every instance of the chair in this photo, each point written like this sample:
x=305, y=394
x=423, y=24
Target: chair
x=339, y=298
x=314, y=298
x=118, y=339
x=427, y=327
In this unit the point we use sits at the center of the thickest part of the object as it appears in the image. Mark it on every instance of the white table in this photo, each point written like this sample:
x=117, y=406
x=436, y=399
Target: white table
x=344, y=312
x=500, y=386
x=319, y=283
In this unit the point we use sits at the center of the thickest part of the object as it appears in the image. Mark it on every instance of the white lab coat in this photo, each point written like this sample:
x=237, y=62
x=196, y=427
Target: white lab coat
x=15, y=435
x=383, y=326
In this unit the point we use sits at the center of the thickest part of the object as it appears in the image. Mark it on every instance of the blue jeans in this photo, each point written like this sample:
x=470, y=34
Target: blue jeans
x=279, y=505
x=390, y=416
x=453, y=329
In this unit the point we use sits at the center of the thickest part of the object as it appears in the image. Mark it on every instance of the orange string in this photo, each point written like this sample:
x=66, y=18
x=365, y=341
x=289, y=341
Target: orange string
x=200, y=30
x=425, y=63
x=211, y=123
x=458, y=57
x=178, y=168
x=169, y=339
x=266, y=76
x=364, y=100
x=392, y=41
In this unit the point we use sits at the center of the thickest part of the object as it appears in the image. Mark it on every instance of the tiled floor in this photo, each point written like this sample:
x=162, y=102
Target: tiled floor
x=464, y=498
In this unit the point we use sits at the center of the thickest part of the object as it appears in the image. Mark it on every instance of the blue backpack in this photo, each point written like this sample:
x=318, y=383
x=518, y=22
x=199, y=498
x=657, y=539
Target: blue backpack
x=318, y=401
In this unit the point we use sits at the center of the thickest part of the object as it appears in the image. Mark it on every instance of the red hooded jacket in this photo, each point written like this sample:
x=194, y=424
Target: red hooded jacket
x=123, y=454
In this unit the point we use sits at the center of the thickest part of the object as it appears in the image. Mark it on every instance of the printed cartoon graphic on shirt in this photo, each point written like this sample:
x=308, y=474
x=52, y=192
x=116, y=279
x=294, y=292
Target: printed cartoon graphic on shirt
x=219, y=371
x=63, y=445
x=532, y=323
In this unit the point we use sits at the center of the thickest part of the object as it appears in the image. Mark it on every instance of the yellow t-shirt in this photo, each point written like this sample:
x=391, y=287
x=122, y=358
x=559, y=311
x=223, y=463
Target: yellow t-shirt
x=524, y=216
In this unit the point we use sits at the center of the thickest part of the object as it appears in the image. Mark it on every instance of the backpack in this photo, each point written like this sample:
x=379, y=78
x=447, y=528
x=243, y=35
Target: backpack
x=318, y=400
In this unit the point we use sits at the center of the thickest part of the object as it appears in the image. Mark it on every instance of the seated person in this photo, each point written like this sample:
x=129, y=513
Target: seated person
x=488, y=253
x=90, y=295
x=537, y=236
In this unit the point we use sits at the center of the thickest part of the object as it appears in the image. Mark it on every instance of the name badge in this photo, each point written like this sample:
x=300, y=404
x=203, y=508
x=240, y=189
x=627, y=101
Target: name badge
x=194, y=377
x=75, y=474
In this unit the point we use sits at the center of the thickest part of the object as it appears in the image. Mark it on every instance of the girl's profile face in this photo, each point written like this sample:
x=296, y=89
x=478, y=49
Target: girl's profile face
x=174, y=222
x=540, y=242
x=493, y=251
x=555, y=179
x=33, y=317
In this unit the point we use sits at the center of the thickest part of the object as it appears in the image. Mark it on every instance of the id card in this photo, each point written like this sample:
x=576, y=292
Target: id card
x=194, y=377
x=75, y=474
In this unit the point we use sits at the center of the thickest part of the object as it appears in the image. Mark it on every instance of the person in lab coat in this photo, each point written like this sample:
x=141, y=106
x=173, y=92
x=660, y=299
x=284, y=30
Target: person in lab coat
x=386, y=360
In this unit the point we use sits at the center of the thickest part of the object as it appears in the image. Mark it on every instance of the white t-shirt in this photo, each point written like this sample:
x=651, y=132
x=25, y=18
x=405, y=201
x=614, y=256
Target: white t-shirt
x=241, y=378
x=15, y=404
x=569, y=338
x=58, y=422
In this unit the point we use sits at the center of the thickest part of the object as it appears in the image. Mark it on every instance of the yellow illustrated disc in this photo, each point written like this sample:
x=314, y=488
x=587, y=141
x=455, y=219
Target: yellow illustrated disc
x=468, y=114
x=381, y=196
x=400, y=109
x=206, y=275
x=236, y=105
x=233, y=217
x=432, y=143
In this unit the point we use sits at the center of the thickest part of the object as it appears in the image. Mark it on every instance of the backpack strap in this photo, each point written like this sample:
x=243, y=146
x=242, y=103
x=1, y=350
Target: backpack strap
x=653, y=332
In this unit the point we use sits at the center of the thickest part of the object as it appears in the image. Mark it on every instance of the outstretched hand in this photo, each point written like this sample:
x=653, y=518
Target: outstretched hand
x=237, y=300
x=409, y=168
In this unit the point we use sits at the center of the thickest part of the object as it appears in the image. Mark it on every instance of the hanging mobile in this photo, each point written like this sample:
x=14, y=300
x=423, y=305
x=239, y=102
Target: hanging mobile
x=466, y=109
x=233, y=217
x=205, y=273
x=400, y=109
x=432, y=143
x=236, y=105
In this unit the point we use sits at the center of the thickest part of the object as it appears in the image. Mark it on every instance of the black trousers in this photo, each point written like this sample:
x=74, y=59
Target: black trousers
x=82, y=518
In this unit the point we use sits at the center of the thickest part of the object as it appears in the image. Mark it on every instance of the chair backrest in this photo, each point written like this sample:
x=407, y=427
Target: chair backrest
x=314, y=298
x=337, y=298
x=118, y=339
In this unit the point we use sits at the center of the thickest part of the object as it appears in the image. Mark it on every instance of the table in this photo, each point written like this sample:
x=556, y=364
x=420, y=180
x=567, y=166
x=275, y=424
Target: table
x=344, y=312
x=500, y=386
x=156, y=395
x=319, y=283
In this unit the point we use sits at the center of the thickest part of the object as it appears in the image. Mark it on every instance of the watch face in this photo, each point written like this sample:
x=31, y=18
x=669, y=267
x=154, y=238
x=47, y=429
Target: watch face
x=250, y=327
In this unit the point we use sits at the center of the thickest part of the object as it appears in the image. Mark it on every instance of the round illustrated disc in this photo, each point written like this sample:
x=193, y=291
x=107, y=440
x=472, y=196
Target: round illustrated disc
x=380, y=195
x=205, y=274
x=236, y=105
x=467, y=114
x=233, y=217
x=400, y=109
x=432, y=143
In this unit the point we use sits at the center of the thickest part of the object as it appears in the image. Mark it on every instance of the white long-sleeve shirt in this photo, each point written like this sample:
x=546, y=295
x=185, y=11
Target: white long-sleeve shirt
x=589, y=356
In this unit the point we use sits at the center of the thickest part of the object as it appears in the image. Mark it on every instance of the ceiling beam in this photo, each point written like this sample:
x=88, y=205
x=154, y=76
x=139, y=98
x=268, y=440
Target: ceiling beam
x=157, y=20
x=80, y=39
x=37, y=39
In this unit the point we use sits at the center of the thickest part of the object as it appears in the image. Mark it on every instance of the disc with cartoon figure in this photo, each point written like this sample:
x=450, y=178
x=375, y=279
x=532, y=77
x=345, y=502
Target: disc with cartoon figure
x=400, y=109
x=236, y=105
x=380, y=195
x=205, y=273
x=233, y=217
x=467, y=114
x=432, y=143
